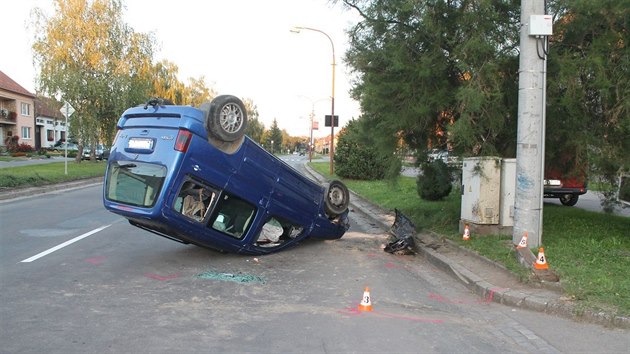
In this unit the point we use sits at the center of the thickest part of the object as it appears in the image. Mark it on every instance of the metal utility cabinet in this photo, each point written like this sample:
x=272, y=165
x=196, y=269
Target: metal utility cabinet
x=481, y=190
x=508, y=193
x=487, y=195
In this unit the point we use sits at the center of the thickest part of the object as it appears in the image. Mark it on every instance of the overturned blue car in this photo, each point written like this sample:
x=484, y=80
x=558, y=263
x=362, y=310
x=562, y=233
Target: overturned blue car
x=193, y=176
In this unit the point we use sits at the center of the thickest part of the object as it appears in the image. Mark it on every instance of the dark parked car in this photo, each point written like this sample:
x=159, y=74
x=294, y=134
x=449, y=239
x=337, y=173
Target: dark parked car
x=191, y=175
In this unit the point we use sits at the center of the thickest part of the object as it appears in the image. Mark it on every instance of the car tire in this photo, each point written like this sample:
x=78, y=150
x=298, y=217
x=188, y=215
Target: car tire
x=336, y=198
x=569, y=199
x=226, y=118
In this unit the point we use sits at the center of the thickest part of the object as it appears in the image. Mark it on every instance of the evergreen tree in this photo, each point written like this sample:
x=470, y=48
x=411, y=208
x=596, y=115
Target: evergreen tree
x=444, y=73
x=437, y=71
x=588, y=111
x=273, y=140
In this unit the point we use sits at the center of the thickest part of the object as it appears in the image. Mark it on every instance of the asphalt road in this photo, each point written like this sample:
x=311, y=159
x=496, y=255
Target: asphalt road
x=76, y=278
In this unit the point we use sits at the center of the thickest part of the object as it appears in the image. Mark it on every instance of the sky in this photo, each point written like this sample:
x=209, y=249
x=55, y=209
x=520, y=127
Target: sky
x=241, y=47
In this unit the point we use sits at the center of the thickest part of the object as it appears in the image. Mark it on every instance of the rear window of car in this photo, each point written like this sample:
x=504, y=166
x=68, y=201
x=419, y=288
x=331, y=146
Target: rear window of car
x=135, y=183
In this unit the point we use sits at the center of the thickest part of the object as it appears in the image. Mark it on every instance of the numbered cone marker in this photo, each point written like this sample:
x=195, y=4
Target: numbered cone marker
x=541, y=261
x=366, y=302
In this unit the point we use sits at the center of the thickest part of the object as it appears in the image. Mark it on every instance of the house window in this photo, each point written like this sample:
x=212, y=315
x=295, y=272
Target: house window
x=26, y=109
x=50, y=135
x=26, y=132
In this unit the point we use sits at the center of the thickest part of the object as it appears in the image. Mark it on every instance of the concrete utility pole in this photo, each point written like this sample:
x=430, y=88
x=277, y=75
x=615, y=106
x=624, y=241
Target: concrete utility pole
x=530, y=150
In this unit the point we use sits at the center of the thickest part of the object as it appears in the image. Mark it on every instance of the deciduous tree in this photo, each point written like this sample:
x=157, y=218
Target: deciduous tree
x=88, y=56
x=255, y=128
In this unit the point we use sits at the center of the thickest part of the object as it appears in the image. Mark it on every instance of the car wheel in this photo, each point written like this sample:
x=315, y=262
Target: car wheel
x=226, y=118
x=569, y=199
x=336, y=198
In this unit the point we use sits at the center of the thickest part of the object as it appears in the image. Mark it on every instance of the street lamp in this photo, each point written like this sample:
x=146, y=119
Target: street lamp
x=310, y=143
x=296, y=29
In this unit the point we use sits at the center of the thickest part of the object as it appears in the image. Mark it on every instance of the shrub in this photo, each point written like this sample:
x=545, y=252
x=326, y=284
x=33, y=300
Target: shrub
x=11, y=142
x=24, y=147
x=355, y=158
x=435, y=182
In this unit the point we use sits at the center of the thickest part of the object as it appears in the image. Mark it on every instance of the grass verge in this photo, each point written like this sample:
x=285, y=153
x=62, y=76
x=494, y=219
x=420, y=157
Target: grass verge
x=590, y=251
x=42, y=174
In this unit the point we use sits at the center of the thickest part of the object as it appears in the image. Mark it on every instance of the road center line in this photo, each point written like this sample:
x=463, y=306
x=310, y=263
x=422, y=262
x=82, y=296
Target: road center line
x=69, y=242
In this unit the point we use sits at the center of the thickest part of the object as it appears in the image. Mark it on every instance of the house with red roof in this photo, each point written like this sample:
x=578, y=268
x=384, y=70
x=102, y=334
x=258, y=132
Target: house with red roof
x=50, y=124
x=16, y=112
x=37, y=121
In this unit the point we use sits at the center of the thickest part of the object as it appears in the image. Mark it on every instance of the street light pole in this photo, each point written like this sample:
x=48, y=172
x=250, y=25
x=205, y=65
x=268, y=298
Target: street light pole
x=312, y=119
x=297, y=29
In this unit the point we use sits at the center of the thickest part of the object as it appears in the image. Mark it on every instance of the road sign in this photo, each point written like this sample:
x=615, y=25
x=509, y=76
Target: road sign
x=327, y=120
x=67, y=110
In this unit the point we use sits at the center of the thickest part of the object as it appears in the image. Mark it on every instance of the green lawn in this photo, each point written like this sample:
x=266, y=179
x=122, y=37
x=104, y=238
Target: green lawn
x=42, y=174
x=590, y=251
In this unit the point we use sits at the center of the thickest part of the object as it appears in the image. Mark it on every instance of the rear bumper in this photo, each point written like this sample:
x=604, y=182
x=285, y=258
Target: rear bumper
x=557, y=192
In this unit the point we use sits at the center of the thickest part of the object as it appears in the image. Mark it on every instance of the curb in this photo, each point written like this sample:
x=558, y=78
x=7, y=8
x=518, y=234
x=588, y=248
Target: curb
x=487, y=291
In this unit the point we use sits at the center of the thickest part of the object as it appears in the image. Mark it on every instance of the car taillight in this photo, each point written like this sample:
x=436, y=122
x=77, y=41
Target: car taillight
x=183, y=140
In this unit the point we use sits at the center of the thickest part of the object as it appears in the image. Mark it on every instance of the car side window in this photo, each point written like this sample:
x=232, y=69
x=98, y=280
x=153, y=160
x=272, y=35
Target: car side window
x=276, y=231
x=195, y=200
x=233, y=216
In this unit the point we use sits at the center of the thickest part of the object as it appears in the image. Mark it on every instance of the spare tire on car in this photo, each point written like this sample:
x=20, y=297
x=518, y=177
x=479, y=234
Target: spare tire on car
x=336, y=198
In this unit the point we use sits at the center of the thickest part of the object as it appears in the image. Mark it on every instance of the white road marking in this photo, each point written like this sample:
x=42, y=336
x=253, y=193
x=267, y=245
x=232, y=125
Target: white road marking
x=69, y=242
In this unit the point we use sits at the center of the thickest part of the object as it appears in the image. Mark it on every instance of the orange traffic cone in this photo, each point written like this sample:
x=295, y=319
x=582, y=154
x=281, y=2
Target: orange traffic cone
x=466, y=236
x=366, y=303
x=541, y=262
x=523, y=243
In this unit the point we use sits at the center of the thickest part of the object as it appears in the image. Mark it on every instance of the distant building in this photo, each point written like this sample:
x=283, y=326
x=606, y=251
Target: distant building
x=16, y=112
x=50, y=124
x=322, y=145
x=37, y=121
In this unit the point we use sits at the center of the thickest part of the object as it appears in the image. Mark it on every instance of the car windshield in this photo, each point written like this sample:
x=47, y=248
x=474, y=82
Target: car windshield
x=135, y=183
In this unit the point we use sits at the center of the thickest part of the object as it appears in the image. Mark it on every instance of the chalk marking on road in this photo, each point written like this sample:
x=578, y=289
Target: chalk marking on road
x=60, y=246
